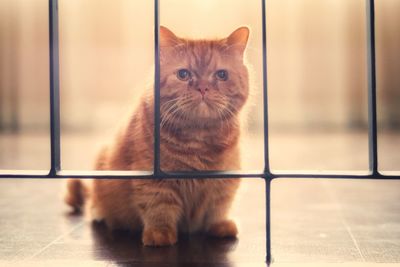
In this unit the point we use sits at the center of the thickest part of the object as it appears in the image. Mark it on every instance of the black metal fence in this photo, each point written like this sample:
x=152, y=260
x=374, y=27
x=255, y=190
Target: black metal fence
x=56, y=172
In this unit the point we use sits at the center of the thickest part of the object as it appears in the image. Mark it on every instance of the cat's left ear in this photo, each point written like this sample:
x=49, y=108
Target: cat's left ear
x=168, y=38
x=237, y=40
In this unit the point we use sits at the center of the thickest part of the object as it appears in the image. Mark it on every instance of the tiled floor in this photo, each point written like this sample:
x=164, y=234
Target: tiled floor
x=320, y=221
x=314, y=223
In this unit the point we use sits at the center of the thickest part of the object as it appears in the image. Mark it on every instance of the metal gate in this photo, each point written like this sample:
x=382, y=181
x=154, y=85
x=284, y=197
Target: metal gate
x=56, y=172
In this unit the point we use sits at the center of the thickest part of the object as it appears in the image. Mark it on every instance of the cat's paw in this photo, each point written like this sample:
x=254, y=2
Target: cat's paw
x=223, y=229
x=157, y=237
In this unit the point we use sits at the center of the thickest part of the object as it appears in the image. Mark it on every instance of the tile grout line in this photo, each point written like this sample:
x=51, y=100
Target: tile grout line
x=55, y=240
x=353, y=238
x=333, y=197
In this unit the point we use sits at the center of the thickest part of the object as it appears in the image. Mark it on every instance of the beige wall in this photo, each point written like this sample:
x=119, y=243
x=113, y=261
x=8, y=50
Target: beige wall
x=316, y=57
x=388, y=62
x=24, y=62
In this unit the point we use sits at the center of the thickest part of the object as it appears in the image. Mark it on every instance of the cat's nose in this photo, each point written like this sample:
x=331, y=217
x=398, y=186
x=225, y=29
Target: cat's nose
x=202, y=90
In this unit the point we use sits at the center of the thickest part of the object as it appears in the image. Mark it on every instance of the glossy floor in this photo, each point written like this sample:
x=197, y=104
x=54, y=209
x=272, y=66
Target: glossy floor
x=313, y=221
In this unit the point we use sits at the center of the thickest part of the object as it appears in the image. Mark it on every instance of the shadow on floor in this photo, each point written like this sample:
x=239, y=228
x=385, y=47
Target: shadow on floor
x=125, y=248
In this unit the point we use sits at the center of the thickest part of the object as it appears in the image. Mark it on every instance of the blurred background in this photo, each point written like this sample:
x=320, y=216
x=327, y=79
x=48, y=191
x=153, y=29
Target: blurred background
x=317, y=77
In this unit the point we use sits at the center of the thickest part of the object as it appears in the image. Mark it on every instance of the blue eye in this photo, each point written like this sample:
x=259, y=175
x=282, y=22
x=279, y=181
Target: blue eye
x=222, y=75
x=183, y=74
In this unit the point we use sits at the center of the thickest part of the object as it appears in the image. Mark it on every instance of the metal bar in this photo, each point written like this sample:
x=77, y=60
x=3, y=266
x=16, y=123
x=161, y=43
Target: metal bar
x=268, y=219
x=267, y=171
x=372, y=120
x=196, y=175
x=335, y=176
x=265, y=88
x=134, y=175
x=54, y=89
x=156, y=165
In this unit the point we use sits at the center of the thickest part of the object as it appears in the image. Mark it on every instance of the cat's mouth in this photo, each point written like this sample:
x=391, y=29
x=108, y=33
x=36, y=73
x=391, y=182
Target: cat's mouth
x=195, y=111
x=203, y=109
x=207, y=109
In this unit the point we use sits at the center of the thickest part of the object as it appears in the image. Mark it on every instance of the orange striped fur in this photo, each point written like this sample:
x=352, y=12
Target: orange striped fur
x=200, y=130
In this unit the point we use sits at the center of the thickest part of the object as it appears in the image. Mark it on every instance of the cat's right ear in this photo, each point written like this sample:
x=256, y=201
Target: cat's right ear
x=168, y=38
x=237, y=40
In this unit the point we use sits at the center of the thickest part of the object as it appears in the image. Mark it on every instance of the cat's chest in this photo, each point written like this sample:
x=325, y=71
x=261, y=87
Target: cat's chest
x=191, y=191
x=198, y=157
x=194, y=198
x=203, y=150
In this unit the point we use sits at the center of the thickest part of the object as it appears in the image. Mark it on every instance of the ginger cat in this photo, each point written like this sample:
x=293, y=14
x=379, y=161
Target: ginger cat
x=203, y=85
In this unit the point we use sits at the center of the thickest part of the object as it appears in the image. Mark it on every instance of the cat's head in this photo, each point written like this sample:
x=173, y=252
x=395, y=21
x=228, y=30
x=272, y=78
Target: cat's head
x=202, y=82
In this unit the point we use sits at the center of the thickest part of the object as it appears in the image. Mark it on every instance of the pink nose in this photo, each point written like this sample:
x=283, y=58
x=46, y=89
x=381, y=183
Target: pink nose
x=202, y=90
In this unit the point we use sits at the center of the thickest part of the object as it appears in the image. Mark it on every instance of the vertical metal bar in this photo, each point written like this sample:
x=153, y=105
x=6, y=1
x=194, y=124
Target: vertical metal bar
x=372, y=120
x=157, y=168
x=267, y=170
x=54, y=88
x=268, y=219
x=265, y=88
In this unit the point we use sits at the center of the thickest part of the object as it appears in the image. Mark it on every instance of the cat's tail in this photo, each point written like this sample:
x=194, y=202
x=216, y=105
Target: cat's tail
x=76, y=194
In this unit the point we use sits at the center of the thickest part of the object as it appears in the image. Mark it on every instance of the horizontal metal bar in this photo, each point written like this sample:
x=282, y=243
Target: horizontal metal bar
x=22, y=173
x=134, y=175
x=376, y=176
x=194, y=175
x=122, y=174
x=215, y=174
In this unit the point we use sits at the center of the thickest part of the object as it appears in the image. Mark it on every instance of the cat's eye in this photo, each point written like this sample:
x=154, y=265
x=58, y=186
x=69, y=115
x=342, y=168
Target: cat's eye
x=222, y=75
x=183, y=74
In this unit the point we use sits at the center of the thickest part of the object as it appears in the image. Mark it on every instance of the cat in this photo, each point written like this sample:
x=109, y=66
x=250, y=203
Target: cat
x=204, y=85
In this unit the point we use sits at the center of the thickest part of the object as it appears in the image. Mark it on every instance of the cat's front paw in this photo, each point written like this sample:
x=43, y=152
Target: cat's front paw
x=157, y=237
x=223, y=229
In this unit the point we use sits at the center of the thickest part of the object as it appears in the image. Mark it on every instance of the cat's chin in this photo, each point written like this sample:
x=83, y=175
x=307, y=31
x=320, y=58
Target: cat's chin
x=203, y=110
x=204, y=115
